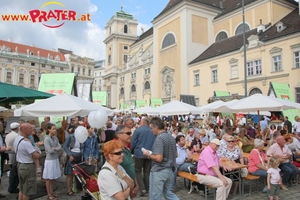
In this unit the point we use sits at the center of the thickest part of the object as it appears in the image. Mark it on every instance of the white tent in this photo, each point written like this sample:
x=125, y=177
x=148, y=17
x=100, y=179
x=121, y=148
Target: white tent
x=146, y=110
x=177, y=108
x=211, y=106
x=61, y=105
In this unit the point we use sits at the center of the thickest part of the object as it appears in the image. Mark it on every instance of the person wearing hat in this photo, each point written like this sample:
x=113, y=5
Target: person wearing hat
x=209, y=173
x=13, y=181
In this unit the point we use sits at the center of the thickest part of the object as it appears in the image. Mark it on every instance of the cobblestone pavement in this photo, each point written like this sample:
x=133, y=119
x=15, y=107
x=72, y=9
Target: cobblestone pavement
x=181, y=192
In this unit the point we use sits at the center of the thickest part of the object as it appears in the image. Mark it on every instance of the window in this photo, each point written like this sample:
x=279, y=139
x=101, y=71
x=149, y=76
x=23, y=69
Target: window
x=254, y=68
x=78, y=70
x=234, y=71
x=32, y=64
x=83, y=71
x=8, y=77
x=298, y=95
x=32, y=79
x=21, y=78
x=9, y=60
x=147, y=70
x=122, y=78
x=90, y=71
x=277, y=63
x=52, y=67
x=296, y=59
x=109, y=59
x=240, y=28
x=168, y=40
x=214, y=73
x=196, y=79
x=125, y=57
x=72, y=69
x=122, y=91
x=125, y=47
x=133, y=88
x=43, y=65
x=133, y=75
x=147, y=85
x=125, y=28
x=22, y=62
x=61, y=69
x=221, y=36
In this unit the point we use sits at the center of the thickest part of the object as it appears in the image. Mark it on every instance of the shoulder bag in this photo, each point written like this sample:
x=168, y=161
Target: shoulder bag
x=14, y=169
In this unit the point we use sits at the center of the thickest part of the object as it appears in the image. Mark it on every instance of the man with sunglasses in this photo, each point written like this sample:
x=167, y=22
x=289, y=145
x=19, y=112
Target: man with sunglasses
x=124, y=134
x=164, y=161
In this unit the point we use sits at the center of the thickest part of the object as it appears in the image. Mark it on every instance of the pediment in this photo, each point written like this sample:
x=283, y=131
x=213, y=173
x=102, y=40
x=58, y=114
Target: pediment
x=167, y=70
x=275, y=50
x=233, y=60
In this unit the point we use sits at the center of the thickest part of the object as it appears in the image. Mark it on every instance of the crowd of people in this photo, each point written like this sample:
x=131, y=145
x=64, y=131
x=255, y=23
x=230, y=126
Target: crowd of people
x=142, y=155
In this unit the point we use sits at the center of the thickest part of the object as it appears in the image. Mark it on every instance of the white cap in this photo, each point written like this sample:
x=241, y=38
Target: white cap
x=14, y=125
x=216, y=141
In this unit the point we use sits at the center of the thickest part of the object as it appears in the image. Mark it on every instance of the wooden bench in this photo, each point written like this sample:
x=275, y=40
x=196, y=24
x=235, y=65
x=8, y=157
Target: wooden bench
x=193, y=178
x=249, y=178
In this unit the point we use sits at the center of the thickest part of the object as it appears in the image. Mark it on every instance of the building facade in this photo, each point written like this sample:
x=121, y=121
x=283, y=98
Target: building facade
x=99, y=73
x=23, y=64
x=187, y=50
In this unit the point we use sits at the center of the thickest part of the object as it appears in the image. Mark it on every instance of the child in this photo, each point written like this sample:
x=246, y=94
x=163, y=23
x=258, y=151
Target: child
x=274, y=178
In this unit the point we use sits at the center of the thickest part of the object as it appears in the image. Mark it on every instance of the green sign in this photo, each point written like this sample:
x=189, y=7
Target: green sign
x=156, y=102
x=127, y=105
x=221, y=94
x=56, y=84
x=140, y=103
x=283, y=91
x=100, y=97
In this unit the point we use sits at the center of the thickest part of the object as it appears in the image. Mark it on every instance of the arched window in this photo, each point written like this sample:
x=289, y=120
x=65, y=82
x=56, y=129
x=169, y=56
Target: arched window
x=147, y=85
x=133, y=88
x=125, y=28
x=221, y=36
x=122, y=91
x=168, y=40
x=239, y=29
x=255, y=91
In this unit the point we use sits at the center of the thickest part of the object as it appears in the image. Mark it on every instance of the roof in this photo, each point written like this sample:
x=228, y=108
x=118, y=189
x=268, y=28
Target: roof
x=22, y=48
x=144, y=35
x=224, y=46
x=291, y=22
x=124, y=15
x=231, y=5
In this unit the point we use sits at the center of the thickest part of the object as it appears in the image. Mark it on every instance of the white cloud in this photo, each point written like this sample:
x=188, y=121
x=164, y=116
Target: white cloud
x=83, y=38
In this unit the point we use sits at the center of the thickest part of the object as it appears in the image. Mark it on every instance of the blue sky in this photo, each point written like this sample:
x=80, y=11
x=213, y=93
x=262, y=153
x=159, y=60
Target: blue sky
x=83, y=38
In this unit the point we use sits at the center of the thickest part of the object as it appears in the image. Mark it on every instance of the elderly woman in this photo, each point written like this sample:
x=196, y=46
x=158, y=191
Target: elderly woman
x=231, y=151
x=113, y=181
x=247, y=144
x=257, y=159
x=293, y=148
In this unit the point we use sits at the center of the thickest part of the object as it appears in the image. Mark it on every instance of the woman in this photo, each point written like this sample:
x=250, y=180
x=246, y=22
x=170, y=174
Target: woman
x=272, y=129
x=293, y=148
x=296, y=125
x=247, y=145
x=73, y=149
x=175, y=133
x=113, y=174
x=196, y=144
x=90, y=147
x=51, y=168
x=257, y=160
x=232, y=152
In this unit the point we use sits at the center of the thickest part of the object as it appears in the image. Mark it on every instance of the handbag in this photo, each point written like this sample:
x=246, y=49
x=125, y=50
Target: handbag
x=77, y=158
x=14, y=168
x=244, y=172
x=91, y=183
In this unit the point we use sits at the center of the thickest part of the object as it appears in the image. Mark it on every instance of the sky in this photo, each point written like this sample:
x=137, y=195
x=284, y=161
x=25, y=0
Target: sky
x=83, y=38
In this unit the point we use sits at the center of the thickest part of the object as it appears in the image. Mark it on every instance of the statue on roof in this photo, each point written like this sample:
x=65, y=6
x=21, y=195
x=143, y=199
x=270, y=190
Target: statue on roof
x=16, y=49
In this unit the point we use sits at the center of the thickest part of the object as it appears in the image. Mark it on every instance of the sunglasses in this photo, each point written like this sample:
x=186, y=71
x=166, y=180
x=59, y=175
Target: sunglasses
x=118, y=153
x=128, y=133
x=230, y=141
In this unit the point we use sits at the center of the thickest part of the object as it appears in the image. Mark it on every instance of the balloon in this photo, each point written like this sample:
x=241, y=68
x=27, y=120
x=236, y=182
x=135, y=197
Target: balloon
x=97, y=119
x=81, y=134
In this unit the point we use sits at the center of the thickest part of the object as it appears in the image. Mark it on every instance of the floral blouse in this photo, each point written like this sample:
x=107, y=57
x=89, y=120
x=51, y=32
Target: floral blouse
x=225, y=152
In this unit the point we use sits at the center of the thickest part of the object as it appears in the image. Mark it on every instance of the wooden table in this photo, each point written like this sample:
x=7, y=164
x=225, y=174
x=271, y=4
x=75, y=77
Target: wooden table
x=195, y=157
x=245, y=155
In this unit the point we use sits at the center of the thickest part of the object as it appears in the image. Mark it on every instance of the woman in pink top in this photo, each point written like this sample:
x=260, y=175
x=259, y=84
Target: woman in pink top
x=257, y=158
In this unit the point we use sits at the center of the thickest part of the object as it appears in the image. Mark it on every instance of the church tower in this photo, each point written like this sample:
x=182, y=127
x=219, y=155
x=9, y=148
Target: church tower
x=121, y=32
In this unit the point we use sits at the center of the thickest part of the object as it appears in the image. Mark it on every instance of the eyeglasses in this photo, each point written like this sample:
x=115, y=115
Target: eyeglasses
x=230, y=141
x=118, y=153
x=128, y=133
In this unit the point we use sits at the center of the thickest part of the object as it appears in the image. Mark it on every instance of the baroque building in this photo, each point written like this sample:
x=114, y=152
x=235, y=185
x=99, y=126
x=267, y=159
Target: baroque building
x=99, y=72
x=196, y=48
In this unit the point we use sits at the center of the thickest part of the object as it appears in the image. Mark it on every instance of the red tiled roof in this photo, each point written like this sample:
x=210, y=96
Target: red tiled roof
x=23, y=49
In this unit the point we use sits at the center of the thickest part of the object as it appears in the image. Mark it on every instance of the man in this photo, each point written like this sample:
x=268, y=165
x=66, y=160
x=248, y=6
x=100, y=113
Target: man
x=124, y=134
x=26, y=168
x=209, y=173
x=184, y=155
x=263, y=123
x=164, y=161
x=142, y=138
x=229, y=121
x=13, y=181
x=109, y=132
x=281, y=150
x=288, y=124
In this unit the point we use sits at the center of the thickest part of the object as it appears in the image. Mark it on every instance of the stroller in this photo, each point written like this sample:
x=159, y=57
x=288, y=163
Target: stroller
x=88, y=179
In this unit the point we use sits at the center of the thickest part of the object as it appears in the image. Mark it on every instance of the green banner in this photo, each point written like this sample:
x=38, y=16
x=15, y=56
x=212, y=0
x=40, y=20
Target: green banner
x=156, y=102
x=100, y=97
x=140, y=103
x=56, y=84
x=283, y=91
x=221, y=94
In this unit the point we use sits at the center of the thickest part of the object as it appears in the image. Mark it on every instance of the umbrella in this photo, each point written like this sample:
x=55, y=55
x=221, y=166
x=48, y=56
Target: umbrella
x=211, y=106
x=12, y=93
x=147, y=110
x=60, y=105
x=177, y=108
x=2, y=108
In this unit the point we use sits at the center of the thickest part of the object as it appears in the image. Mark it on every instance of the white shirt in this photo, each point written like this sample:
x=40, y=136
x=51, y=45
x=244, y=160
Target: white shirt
x=9, y=140
x=297, y=126
x=296, y=143
x=275, y=176
x=25, y=150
